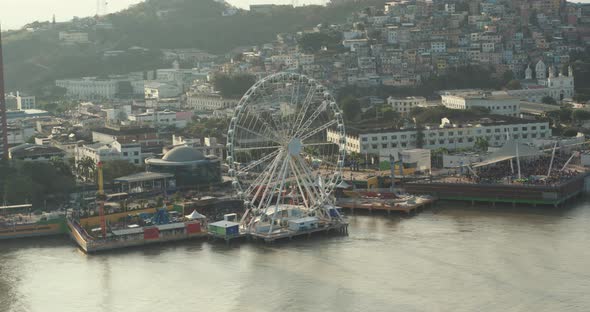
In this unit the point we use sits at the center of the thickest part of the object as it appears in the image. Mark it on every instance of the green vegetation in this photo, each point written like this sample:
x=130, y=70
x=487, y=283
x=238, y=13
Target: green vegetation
x=351, y=107
x=206, y=127
x=34, y=60
x=313, y=42
x=581, y=65
x=466, y=77
x=433, y=115
x=481, y=144
x=233, y=87
x=548, y=100
x=118, y=168
x=36, y=183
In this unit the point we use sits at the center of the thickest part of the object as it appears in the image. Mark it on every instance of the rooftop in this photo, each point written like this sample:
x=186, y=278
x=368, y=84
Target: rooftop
x=125, y=131
x=143, y=176
x=29, y=150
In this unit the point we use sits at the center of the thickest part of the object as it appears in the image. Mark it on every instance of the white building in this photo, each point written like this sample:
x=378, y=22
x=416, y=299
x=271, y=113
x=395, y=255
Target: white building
x=418, y=156
x=101, y=152
x=558, y=87
x=461, y=159
x=71, y=38
x=159, y=118
x=449, y=135
x=24, y=102
x=404, y=105
x=19, y=133
x=209, y=102
x=161, y=90
x=496, y=102
x=89, y=88
x=118, y=114
x=210, y=146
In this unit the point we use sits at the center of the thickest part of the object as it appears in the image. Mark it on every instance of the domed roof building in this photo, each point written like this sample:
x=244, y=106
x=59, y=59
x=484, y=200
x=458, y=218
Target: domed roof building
x=183, y=154
x=189, y=166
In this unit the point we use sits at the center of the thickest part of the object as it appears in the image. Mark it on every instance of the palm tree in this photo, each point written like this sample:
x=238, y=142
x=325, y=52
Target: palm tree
x=481, y=144
x=86, y=168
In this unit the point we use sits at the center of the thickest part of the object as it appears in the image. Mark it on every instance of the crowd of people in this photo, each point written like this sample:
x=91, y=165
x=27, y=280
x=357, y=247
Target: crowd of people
x=532, y=171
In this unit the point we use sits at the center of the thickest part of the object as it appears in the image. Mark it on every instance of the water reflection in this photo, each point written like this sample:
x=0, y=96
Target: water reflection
x=453, y=258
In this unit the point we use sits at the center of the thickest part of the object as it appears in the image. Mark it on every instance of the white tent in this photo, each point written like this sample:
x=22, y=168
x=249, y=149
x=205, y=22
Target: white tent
x=343, y=185
x=195, y=216
x=510, y=151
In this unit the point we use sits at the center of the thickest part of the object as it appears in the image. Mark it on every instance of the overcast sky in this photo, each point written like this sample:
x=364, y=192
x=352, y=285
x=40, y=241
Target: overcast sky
x=16, y=13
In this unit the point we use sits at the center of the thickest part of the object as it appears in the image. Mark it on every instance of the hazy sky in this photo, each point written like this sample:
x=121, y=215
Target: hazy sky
x=16, y=13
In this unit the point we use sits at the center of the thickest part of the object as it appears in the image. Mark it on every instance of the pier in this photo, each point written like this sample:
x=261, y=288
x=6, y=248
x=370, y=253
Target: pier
x=284, y=233
x=389, y=206
x=514, y=193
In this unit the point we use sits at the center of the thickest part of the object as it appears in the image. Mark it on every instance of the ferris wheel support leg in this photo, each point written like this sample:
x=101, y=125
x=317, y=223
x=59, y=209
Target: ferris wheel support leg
x=284, y=170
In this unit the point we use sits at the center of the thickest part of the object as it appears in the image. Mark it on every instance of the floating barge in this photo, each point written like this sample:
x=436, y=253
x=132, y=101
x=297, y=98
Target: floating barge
x=409, y=205
x=28, y=225
x=289, y=233
x=157, y=229
x=554, y=195
x=133, y=237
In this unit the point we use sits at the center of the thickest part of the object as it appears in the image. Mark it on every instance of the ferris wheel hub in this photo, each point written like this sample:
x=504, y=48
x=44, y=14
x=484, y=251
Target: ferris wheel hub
x=295, y=146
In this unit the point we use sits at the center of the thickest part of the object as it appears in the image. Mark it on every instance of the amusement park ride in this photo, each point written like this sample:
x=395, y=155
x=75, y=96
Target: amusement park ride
x=281, y=161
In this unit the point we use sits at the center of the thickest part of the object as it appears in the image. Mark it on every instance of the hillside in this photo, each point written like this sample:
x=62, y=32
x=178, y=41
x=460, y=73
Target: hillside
x=34, y=59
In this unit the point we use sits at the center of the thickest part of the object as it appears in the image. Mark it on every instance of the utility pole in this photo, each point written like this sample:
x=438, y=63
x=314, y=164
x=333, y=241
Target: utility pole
x=392, y=168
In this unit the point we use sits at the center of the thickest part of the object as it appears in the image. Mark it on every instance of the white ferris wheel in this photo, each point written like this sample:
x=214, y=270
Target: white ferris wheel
x=286, y=148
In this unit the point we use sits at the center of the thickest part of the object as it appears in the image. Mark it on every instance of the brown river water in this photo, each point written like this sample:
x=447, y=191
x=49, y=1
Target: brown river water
x=450, y=258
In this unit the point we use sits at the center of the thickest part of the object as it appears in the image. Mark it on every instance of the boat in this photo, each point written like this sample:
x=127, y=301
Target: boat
x=18, y=222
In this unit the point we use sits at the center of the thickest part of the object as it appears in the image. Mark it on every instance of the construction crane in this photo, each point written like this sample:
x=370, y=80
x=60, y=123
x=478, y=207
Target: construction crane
x=100, y=199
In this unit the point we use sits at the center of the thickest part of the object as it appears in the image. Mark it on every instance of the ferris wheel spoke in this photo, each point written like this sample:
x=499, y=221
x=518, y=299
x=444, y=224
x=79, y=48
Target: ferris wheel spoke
x=260, y=122
x=284, y=175
x=270, y=185
x=264, y=179
x=268, y=138
x=245, y=149
x=260, y=161
x=308, y=179
x=294, y=103
x=306, y=103
x=318, y=130
x=305, y=195
x=321, y=108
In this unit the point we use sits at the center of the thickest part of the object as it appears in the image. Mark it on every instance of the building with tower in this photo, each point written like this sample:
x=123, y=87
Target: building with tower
x=548, y=82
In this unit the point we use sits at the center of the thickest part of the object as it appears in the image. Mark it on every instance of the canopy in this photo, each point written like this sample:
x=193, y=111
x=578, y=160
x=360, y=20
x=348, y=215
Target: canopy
x=195, y=216
x=509, y=151
x=343, y=185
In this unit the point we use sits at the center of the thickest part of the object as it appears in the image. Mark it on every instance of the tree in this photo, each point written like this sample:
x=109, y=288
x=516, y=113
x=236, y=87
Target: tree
x=351, y=107
x=113, y=169
x=513, y=85
x=579, y=115
x=85, y=168
x=570, y=132
x=233, y=86
x=481, y=144
x=548, y=100
x=313, y=42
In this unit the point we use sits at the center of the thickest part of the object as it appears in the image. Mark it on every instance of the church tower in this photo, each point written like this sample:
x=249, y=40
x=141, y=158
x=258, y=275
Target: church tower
x=540, y=70
x=528, y=72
